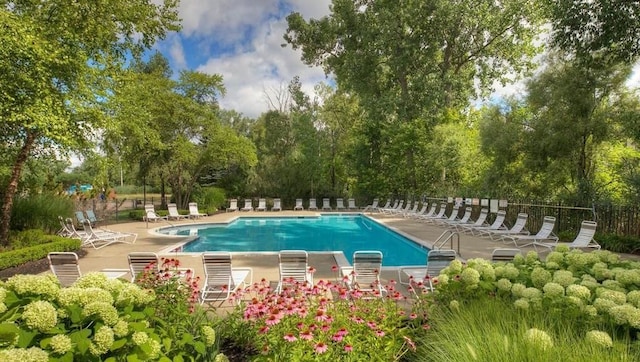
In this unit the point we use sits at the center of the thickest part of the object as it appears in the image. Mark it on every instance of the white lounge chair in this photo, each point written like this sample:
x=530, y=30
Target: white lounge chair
x=233, y=205
x=480, y=221
x=339, y=204
x=518, y=228
x=262, y=205
x=151, y=216
x=439, y=216
x=298, y=205
x=91, y=216
x=326, y=204
x=365, y=276
x=174, y=214
x=498, y=224
x=99, y=238
x=373, y=207
x=194, y=213
x=276, y=205
x=352, y=204
x=452, y=218
x=584, y=239
x=422, y=276
x=504, y=254
x=312, y=205
x=428, y=213
x=141, y=261
x=461, y=221
x=221, y=278
x=294, y=269
x=544, y=234
x=64, y=265
x=248, y=205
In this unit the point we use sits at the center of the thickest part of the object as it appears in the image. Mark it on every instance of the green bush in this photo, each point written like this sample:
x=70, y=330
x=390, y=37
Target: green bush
x=619, y=243
x=40, y=212
x=210, y=199
x=40, y=250
x=26, y=238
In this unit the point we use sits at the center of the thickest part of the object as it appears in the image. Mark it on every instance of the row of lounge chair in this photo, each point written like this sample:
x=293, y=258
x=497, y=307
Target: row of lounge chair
x=97, y=238
x=277, y=205
x=152, y=216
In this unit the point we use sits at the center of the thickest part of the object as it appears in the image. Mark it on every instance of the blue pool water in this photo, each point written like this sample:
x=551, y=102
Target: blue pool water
x=346, y=233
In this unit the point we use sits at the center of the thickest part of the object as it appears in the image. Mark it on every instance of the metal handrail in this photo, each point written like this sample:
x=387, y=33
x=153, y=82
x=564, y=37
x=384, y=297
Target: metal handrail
x=448, y=235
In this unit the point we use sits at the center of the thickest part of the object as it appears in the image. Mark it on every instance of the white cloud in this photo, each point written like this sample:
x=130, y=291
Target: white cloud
x=177, y=52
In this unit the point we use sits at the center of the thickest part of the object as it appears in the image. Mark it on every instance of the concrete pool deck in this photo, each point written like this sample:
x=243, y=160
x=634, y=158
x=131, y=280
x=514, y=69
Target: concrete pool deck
x=265, y=265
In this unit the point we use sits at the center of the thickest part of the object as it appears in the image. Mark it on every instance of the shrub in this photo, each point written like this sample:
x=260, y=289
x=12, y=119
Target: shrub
x=50, y=243
x=210, y=199
x=303, y=323
x=40, y=212
x=96, y=319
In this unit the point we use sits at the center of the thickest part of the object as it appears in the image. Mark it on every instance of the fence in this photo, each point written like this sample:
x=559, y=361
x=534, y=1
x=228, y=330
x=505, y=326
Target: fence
x=611, y=219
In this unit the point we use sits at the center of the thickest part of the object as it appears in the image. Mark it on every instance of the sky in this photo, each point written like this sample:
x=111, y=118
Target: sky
x=241, y=40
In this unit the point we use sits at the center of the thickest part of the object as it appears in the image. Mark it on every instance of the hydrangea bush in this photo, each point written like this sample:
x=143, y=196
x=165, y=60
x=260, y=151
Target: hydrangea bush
x=596, y=287
x=97, y=319
x=324, y=322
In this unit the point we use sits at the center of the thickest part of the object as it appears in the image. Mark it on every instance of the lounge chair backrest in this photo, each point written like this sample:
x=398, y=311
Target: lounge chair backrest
x=312, y=204
x=217, y=268
x=276, y=204
x=367, y=265
x=340, y=203
x=293, y=265
x=387, y=204
x=467, y=215
x=374, y=205
x=520, y=223
x=499, y=221
x=65, y=267
x=585, y=235
x=438, y=259
x=504, y=254
x=233, y=204
x=454, y=213
x=546, y=229
x=80, y=217
x=482, y=218
x=443, y=209
x=298, y=202
x=140, y=261
x=352, y=204
x=173, y=209
x=91, y=216
x=262, y=203
x=432, y=210
x=326, y=203
x=149, y=207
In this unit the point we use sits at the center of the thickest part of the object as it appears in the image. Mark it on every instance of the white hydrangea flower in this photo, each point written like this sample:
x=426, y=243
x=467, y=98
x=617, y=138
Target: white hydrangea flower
x=470, y=277
x=60, y=344
x=599, y=338
x=511, y=272
x=614, y=285
x=633, y=297
x=102, y=341
x=517, y=289
x=83, y=296
x=628, y=277
x=579, y=291
x=553, y=290
x=612, y=295
x=121, y=328
x=538, y=338
x=221, y=358
x=551, y=265
x=563, y=277
x=209, y=335
x=590, y=310
x=532, y=258
x=504, y=285
x=33, y=354
x=540, y=277
x=455, y=267
x=46, y=286
x=555, y=257
x=40, y=315
x=521, y=303
x=105, y=311
x=626, y=314
x=603, y=305
x=532, y=294
x=139, y=338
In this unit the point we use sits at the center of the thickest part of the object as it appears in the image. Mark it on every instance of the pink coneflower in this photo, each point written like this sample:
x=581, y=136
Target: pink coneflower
x=312, y=270
x=426, y=327
x=337, y=337
x=263, y=330
x=299, y=325
x=380, y=333
x=358, y=320
x=342, y=332
x=321, y=347
x=413, y=316
x=307, y=335
x=348, y=348
x=289, y=337
x=334, y=268
x=320, y=316
x=302, y=312
x=372, y=325
x=325, y=327
x=272, y=320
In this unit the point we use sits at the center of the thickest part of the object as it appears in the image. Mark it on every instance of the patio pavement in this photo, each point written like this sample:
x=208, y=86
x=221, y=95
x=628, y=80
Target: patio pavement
x=265, y=265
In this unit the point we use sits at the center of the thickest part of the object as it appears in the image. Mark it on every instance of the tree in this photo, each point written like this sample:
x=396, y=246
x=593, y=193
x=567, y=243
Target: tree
x=57, y=58
x=410, y=62
x=608, y=29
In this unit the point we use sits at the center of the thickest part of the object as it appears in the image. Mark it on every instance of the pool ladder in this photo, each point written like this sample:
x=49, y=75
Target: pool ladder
x=448, y=236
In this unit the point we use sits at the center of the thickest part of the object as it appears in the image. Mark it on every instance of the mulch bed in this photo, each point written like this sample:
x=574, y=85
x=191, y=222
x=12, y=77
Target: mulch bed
x=32, y=267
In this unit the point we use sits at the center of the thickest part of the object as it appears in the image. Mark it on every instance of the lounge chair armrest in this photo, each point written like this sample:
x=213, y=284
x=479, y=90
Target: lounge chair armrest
x=247, y=269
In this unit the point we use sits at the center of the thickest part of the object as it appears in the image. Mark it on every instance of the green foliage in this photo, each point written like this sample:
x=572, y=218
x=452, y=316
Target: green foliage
x=97, y=319
x=619, y=243
x=40, y=211
x=41, y=247
x=210, y=199
x=470, y=331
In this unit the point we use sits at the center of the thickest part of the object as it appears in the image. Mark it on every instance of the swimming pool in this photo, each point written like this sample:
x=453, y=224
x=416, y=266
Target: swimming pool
x=346, y=233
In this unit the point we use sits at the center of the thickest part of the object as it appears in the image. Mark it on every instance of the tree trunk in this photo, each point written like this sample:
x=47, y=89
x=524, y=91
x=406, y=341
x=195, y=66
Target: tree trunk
x=12, y=187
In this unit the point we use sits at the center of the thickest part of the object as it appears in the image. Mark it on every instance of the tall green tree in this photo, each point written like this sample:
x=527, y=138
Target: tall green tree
x=57, y=58
x=411, y=61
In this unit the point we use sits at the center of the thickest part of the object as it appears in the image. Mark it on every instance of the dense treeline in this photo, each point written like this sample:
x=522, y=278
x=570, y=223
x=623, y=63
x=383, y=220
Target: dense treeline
x=400, y=117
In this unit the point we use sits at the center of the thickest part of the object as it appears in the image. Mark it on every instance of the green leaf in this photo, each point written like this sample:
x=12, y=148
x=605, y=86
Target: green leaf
x=25, y=338
x=164, y=359
x=200, y=347
x=118, y=344
x=186, y=338
x=178, y=358
x=132, y=358
x=167, y=343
